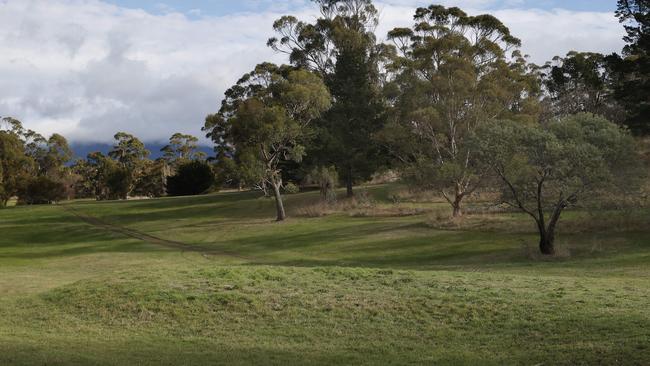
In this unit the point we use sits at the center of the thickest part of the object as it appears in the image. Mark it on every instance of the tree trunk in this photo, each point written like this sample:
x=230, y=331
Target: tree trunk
x=547, y=242
x=458, y=201
x=349, y=183
x=349, y=186
x=457, y=205
x=278, y=202
x=547, y=234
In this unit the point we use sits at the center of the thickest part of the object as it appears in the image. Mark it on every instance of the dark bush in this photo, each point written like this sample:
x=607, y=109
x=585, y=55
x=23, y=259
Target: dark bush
x=42, y=191
x=118, y=181
x=191, y=179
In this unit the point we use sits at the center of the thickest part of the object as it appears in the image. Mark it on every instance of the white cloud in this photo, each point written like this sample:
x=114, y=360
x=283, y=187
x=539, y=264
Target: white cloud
x=88, y=69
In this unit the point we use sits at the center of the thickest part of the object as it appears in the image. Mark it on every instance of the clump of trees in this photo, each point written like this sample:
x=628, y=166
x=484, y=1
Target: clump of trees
x=32, y=167
x=451, y=103
x=37, y=170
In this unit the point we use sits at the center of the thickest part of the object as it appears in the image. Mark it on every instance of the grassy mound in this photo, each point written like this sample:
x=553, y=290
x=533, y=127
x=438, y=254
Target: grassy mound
x=365, y=315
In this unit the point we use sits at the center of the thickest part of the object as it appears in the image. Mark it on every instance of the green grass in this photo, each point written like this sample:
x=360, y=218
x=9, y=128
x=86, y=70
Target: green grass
x=365, y=286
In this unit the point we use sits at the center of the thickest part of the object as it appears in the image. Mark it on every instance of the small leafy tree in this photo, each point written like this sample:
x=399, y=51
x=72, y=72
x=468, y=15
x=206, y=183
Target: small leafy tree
x=547, y=169
x=327, y=179
x=264, y=121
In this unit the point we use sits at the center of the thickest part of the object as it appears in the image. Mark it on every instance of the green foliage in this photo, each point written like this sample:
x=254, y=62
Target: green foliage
x=118, y=182
x=191, y=179
x=450, y=74
x=579, y=82
x=291, y=188
x=545, y=170
x=327, y=179
x=152, y=180
x=341, y=47
x=631, y=70
x=15, y=166
x=42, y=190
x=181, y=149
x=265, y=120
x=128, y=150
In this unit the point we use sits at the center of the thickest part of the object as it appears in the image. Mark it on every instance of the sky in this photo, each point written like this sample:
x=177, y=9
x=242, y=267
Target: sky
x=90, y=68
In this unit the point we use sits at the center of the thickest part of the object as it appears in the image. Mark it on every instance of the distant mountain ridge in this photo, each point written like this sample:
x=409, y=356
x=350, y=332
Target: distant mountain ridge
x=82, y=150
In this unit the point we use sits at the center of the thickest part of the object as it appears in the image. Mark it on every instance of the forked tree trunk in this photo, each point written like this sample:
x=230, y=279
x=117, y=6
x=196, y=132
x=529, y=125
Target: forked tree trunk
x=457, y=203
x=457, y=206
x=547, y=233
x=279, y=206
x=546, y=241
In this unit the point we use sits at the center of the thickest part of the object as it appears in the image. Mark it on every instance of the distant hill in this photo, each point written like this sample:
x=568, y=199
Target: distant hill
x=82, y=150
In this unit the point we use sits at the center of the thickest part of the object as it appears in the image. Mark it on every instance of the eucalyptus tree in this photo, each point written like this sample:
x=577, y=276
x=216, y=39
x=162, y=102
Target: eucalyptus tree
x=579, y=82
x=341, y=46
x=451, y=73
x=128, y=150
x=15, y=165
x=265, y=120
x=545, y=169
x=130, y=154
x=631, y=70
x=181, y=149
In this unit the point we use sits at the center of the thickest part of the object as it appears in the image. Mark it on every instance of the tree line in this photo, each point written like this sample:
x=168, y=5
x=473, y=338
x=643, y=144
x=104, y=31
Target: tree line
x=450, y=103
x=39, y=170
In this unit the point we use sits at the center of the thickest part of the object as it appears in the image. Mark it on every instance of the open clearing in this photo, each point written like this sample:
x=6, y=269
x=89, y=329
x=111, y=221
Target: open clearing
x=213, y=280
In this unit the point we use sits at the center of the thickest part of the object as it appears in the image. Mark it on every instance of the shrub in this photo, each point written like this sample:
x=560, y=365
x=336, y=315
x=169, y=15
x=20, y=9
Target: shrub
x=42, y=191
x=191, y=179
x=118, y=181
x=291, y=188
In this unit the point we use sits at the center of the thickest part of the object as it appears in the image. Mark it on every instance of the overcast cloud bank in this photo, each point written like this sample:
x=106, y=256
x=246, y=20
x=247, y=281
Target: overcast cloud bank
x=87, y=69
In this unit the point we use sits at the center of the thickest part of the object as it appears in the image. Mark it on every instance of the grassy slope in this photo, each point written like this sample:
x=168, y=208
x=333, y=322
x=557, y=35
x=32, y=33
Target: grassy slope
x=330, y=290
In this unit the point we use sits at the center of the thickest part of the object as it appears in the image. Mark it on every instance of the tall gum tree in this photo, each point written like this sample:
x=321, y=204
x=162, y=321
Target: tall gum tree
x=451, y=73
x=264, y=121
x=631, y=70
x=341, y=46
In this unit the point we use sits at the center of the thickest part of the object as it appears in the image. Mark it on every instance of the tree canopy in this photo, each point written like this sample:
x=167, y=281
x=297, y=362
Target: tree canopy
x=547, y=169
x=450, y=75
x=265, y=120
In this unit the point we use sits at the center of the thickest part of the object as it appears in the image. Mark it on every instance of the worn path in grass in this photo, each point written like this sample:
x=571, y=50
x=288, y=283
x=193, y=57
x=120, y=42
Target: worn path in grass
x=213, y=280
x=171, y=244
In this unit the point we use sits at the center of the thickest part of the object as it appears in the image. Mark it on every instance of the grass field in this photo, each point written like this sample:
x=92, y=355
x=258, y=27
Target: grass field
x=213, y=280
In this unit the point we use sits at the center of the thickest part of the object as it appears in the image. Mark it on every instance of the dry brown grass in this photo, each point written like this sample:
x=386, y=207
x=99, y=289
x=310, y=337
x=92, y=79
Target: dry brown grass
x=362, y=205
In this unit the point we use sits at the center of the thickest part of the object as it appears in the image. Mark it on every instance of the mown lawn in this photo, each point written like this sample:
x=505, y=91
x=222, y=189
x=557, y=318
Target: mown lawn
x=381, y=283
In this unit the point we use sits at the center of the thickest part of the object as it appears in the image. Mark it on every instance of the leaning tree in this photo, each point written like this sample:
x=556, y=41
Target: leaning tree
x=264, y=122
